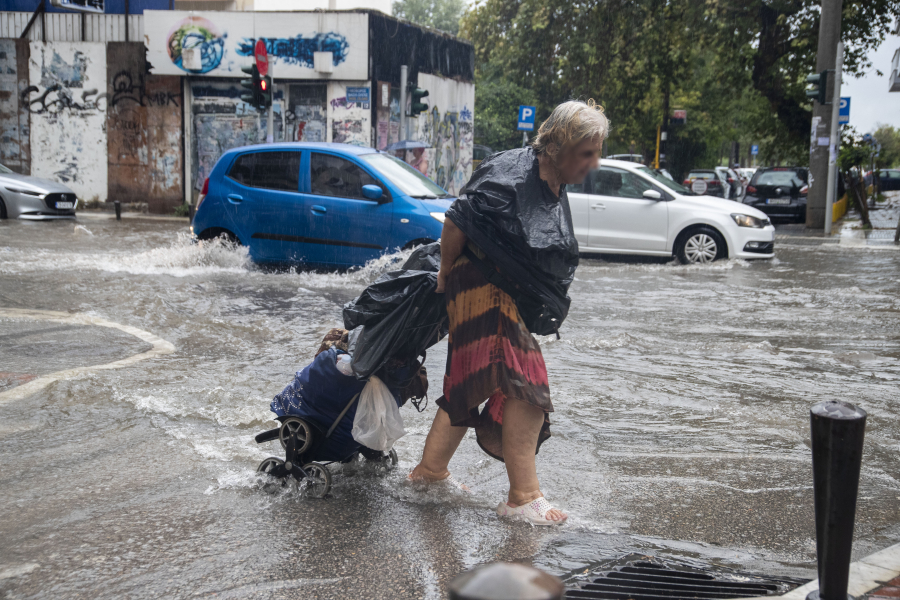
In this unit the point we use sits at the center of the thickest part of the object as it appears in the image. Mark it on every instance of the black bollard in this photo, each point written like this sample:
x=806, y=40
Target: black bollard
x=118, y=206
x=837, y=444
x=190, y=213
x=505, y=581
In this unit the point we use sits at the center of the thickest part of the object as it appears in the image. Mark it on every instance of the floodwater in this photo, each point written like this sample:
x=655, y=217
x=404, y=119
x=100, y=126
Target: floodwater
x=682, y=397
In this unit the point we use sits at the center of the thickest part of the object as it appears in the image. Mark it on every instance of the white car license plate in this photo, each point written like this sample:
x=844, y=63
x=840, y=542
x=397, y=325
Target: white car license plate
x=778, y=201
x=65, y=204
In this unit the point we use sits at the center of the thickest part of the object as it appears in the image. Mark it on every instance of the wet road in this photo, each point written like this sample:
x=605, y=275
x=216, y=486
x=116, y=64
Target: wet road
x=681, y=430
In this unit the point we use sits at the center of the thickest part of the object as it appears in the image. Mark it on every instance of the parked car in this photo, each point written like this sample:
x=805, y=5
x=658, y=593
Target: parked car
x=712, y=184
x=636, y=158
x=33, y=198
x=780, y=192
x=735, y=190
x=627, y=208
x=746, y=173
x=479, y=153
x=332, y=205
x=890, y=179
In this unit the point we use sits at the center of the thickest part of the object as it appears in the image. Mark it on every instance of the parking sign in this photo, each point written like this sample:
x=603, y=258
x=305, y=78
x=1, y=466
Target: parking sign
x=844, y=111
x=526, y=118
x=754, y=149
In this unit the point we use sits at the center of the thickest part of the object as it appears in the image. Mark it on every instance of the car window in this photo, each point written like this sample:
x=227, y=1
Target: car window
x=575, y=188
x=665, y=181
x=268, y=170
x=617, y=183
x=702, y=175
x=336, y=176
x=405, y=177
x=789, y=178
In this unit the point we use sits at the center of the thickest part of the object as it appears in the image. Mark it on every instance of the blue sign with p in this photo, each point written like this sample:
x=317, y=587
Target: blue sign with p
x=526, y=118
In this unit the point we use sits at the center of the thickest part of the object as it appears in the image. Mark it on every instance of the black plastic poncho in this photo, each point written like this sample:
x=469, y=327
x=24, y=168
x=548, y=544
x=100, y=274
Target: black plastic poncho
x=509, y=212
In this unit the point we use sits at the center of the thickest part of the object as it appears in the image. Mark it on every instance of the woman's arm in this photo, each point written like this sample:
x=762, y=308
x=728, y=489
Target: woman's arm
x=453, y=240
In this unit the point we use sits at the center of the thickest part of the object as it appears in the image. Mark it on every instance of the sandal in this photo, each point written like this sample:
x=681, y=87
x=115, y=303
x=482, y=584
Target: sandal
x=534, y=512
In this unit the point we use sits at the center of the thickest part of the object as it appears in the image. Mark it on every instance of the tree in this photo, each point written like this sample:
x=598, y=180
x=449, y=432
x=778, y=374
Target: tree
x=889, y=138
x=438, y=14
x=496, y=111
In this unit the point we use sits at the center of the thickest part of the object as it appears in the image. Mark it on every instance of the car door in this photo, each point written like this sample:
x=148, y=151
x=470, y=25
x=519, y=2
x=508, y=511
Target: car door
x=343, y=227
x=621, y=219
x=262, y=200
x=579, y=204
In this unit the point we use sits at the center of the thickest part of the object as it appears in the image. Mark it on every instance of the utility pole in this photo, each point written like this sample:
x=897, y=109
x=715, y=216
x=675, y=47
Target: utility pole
x=833, y=137
x=270, y=125
x=404, y=74
x=829, y=36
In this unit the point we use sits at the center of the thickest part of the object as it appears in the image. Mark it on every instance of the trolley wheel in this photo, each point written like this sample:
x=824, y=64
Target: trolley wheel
x=268, y=464
x=304, y=434
x=392, y=455
x=319, y=480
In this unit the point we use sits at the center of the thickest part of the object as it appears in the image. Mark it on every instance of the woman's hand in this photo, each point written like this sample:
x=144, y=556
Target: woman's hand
x=441, y=282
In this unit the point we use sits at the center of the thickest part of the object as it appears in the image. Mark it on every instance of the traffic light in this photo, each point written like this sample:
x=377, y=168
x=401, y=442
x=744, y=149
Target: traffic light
x=819, y=85
x=252, y=97
x=417, y=106
x=265, y=92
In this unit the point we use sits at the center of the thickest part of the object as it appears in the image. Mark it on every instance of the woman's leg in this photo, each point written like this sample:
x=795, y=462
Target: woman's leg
x=521, y=426
x=441, y=443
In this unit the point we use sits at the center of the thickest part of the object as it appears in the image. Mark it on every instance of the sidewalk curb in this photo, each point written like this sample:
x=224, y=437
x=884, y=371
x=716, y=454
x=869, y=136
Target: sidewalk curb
x=160, y=347
x=866, y=575
x=130, y=216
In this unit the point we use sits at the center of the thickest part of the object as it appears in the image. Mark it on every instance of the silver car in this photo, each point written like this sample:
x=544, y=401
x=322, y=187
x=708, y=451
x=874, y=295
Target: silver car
x=33, y=198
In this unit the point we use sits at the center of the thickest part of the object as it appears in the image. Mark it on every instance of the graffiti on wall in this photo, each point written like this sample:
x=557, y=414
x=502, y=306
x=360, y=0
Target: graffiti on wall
x=14, y=143
x=350, y=121
x=68, y=106
x=309, y=123
x=300, y=50
x=130, y=88
x=196, y=45
x=451, y=138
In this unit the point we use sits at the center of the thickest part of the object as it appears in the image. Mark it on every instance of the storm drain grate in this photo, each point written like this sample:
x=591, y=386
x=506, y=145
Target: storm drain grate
x=644, y=580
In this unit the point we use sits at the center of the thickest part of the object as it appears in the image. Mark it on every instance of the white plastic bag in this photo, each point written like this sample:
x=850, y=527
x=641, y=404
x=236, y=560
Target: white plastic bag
x=377, y=424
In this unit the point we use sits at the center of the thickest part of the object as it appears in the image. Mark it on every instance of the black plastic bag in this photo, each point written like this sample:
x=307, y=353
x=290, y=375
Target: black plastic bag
x=509, y=212
x=399, y=315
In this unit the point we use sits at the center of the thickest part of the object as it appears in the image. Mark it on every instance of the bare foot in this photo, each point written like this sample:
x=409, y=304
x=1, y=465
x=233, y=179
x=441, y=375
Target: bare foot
x=420, y=473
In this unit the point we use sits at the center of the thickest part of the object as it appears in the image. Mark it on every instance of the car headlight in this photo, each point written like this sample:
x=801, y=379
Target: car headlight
x=438, y=215
x=748, y=221
x=27, y=192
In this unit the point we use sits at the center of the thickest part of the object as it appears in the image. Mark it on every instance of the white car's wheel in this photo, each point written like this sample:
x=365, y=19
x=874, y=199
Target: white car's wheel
x=700, y=246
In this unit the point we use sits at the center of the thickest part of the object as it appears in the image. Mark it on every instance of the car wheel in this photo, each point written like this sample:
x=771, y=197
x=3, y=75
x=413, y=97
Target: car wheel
x=2, y=209
x=702, y=245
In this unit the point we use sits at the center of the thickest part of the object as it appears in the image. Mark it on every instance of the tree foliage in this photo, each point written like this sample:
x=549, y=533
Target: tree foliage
x=737, y=66
x=889, y=138
x=438, y=14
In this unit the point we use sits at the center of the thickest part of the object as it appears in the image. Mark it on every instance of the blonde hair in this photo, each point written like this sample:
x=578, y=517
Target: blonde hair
x=569, y=124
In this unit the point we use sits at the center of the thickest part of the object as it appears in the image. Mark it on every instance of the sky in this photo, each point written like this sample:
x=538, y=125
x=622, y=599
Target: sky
x=870, y=101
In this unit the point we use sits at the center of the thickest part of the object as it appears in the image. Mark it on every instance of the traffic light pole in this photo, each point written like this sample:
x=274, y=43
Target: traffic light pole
x=270, y=125
x=833, y=137
x=829, y=36
x=403, y=80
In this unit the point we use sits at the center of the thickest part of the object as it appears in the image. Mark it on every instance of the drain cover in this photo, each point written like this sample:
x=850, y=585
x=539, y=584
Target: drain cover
x=657, y=580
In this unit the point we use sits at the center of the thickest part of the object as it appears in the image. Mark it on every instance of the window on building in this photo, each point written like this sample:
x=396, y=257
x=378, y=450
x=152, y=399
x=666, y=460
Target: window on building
x=335, y=176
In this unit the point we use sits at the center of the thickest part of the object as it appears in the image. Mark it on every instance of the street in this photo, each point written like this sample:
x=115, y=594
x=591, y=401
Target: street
x=681, y=429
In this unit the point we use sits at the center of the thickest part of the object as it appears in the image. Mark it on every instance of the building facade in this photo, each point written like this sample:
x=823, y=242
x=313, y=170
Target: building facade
x=146, y=122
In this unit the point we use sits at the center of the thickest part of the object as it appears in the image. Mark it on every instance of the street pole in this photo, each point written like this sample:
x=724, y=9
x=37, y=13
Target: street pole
x=270, y=126
x=833, y=136
x=819, y=156
x=404, y=73
x=524, y=138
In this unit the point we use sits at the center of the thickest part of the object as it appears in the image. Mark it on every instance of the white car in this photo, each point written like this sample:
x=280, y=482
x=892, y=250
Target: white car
x=626, y=208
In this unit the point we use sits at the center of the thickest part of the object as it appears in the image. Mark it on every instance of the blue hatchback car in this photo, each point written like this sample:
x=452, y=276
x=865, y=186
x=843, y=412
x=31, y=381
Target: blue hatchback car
x=331, y=205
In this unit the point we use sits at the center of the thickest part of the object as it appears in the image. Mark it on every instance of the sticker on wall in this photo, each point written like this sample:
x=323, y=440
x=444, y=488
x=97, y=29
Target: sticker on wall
x=196, y=45
x=301, y=50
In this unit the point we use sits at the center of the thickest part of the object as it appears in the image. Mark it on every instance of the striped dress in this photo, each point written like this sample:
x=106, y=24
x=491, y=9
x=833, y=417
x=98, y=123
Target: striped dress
x=491, y=357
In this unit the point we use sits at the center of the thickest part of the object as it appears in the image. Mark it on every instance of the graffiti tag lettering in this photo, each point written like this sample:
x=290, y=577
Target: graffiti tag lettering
x=57, y=99
x=126, y=90
x=301, y=50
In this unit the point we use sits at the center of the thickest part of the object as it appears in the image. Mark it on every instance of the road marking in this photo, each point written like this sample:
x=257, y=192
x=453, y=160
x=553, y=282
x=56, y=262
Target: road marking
x=160, y=347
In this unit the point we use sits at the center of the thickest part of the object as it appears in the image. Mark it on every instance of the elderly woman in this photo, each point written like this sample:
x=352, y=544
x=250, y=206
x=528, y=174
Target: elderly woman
x=508, y=255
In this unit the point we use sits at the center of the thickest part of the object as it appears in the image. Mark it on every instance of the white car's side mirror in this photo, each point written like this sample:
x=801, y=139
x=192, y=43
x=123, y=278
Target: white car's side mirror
x=652, y=195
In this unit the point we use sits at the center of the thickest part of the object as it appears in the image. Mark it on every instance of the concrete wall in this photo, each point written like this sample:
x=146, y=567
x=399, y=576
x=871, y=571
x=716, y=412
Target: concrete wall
x=351, y=122
x=15, y=145
x=448, y=129
x=144, y=130
x=68, y=105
